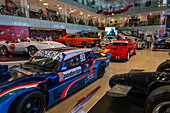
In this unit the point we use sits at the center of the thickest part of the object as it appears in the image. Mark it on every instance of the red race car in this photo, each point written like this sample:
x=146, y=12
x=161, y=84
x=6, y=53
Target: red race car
x=78, y=40
x=120, y=49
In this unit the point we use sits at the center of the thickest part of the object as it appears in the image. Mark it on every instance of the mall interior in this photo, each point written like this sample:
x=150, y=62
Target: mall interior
x=84, y=56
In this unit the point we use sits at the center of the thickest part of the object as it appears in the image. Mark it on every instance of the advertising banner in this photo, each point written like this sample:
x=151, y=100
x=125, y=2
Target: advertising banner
x=13, y=32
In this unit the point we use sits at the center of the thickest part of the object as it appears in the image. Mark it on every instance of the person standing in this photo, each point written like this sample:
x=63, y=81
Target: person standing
x=46, y=38
x=50, y=38
x=148, y=41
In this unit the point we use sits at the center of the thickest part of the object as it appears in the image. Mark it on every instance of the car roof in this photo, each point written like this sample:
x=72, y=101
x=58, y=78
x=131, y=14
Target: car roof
x=122, y=40
x=70, y=51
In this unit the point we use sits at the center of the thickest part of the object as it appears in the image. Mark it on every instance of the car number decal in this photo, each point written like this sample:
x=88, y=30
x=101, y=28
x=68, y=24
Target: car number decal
x=70, y=73
x=82, y=57
x=12, y=47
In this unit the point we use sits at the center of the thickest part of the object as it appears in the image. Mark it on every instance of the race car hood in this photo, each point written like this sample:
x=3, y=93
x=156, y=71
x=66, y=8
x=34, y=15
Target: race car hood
x=115, y=49
x=50, y=43
x=133, y=79
x=19, y=75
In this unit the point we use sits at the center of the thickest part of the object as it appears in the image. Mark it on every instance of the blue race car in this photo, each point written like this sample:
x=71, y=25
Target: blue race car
x=49, y=76
x=162, y=43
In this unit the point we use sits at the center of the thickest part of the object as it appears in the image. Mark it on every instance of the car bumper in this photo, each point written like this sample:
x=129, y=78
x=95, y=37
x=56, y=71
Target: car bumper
x=118, y=57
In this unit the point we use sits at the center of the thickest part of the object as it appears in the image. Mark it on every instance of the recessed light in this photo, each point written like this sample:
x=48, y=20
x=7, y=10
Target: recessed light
x=40, y=0
x=81, y=13
x=88, y=15
x=60, y=8
x=57, y=5
x=71, y=11
x=45, y=4
x=94, y=17
x=74, y=9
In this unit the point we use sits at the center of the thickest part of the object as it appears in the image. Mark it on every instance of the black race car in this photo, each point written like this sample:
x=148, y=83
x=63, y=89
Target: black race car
x=152, y=87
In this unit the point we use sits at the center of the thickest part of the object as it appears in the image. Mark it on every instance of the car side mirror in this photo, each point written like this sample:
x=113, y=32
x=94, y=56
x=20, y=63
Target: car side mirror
x=7, y=42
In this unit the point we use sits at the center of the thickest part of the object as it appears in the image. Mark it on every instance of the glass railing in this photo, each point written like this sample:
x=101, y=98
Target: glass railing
x=12, y=10
x=137, y=24
x=135, y=6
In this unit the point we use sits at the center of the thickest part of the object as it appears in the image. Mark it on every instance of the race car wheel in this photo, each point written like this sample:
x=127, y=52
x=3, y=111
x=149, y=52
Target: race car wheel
x=128, y=56
x=158, y=101
x=163, y=66
x=33, y=102
x=135, y=52
x=32, y=50
x=63, y=42
x=4, y=50
x=84, y=44
x=101, y=70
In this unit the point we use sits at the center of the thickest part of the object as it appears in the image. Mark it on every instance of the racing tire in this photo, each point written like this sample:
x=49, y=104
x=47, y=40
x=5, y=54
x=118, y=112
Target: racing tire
x=158, y=100
x=84, y=44
x=33, y=102
x=128, y=56
x=101, y=70
x=32, y=50
x=163, y=66
x=135, y=52
x=4, y=51
x=63, y=42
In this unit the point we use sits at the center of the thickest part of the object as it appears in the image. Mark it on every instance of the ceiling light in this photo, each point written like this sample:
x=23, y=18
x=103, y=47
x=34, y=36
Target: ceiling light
x=81, y=13
x=57, y=5
x=60, y=8
x=74, y=9
x=45, y=4
x=112, y=13
x=163, y=12
x=71, y=11
x=88, y=15
x=150, y=13
x=40, y=0
x=94, y=17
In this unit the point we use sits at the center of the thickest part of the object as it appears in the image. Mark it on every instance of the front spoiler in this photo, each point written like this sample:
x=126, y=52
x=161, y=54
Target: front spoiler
x=119, y=91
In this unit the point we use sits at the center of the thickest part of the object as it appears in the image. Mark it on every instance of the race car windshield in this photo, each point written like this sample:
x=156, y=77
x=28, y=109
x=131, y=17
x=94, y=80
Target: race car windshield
x=43, y=63
x=118, y=44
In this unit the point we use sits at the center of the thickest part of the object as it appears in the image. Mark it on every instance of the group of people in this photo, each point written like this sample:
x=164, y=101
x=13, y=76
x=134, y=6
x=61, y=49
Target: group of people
x=149, y=40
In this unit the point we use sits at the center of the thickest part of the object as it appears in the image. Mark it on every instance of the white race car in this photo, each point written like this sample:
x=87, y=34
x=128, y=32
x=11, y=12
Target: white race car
x=21, y=46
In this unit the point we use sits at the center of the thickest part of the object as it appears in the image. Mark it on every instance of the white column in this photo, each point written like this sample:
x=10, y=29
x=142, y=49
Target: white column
x=86, y=17
x=65, y=12
x=25, y=7
x=106, y=21
x=100, y=20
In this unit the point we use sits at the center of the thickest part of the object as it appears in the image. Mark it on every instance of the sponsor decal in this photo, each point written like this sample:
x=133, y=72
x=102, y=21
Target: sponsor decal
x=70, y=73
x=12, y=47
x=49, y=54
x=91, y=76
x=105, y=50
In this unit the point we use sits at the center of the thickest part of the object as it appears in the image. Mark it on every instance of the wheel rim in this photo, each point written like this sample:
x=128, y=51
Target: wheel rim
x=33, y=105
x=101, y=71
x=4, y=51
x=32, y=51
x=128, y=55
x=163, y=107
x=84, y=44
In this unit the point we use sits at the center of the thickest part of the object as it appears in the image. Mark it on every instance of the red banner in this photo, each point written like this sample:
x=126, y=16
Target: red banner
x=13, y=32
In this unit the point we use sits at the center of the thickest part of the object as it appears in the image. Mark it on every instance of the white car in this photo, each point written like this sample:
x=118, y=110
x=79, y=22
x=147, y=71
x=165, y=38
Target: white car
x=106, y=40
x=21, y=46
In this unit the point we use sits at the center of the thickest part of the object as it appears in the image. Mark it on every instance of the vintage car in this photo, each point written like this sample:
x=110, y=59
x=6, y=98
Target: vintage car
x=162, y=43
x=152, y=87
x=120, y=49
x=105, y=41
x=140, y=44
x=48, y=77
x=26, y=46
x=78, y=40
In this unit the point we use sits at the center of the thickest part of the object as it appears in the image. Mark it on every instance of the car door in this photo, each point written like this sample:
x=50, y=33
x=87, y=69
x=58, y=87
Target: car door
x=73, y=39
x=131, y=47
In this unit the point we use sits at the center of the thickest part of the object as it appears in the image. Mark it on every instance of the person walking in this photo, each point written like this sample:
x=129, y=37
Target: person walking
x=50, y=38
x=46, y=38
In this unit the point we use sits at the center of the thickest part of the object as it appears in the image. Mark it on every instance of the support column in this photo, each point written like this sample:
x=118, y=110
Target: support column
x=65, y=12
x=100, y=20
x=86, y=17
x=106, y=21
x=25, y=7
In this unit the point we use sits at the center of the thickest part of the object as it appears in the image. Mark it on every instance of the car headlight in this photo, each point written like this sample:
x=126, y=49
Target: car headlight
x=103, y=54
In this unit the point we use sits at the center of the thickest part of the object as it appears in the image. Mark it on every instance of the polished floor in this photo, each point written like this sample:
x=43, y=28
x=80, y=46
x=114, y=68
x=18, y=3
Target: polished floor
x=145, y=59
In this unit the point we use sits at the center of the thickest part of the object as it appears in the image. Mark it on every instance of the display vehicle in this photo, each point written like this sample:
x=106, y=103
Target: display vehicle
x=140, y=44
x=162, y=43
x=78, y=40
x=49, y=76
x=26, y=46
x=105, y=41
x=120, y=49
x=152, y=87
